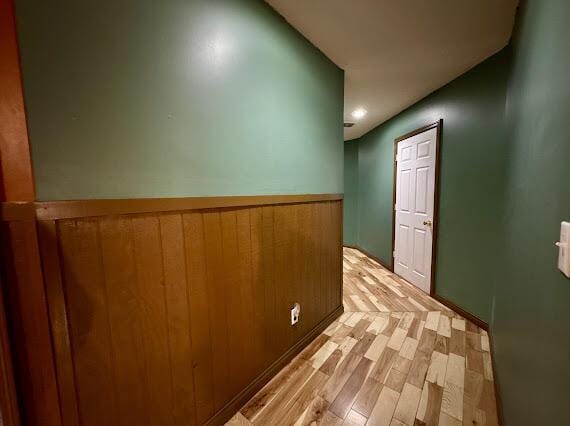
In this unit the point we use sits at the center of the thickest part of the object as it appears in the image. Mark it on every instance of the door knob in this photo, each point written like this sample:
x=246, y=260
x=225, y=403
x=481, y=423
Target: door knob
x=427, y=222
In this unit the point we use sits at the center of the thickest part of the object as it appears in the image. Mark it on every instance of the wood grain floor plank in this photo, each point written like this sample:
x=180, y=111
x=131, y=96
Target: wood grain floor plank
x=314, y=413
x=430, y=405
x=418, y=363
x=452, y=400
x=418, y=369
x=384, y=408
x=329, y=419
x=354, y=419
x=447, y=420
x=407, y=406
x=382, y=366
x=329, y=366
x=238, y=420
x=427, y=341
x=457, y=342
x=274, y=411
x=269, y=391
x=319, y=358
x=362, y=346
x=367, y=396
x=377, y=347
x=345, y=398
x=395, y=380
x=303, y=398
x=437, y=368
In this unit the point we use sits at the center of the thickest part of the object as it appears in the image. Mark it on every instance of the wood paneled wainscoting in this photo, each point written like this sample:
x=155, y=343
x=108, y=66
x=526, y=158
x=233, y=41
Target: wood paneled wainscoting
x=177, y=311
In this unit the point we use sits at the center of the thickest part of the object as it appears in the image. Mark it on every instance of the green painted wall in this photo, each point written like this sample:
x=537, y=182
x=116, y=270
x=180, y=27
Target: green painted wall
x=176, y=98
x=505, y=189
x=350, y=213
x=473, y=158
x=531, y=324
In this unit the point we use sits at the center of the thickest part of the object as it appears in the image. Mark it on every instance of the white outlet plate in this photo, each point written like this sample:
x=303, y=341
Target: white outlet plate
x=295, y=312
x=564, y=249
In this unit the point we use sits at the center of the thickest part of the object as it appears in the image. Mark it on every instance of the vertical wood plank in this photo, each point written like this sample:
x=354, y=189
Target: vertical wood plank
x=200, y=315
x=89, y=325
x=312, y=265
x=48, y=242
x=258, y=287
x=125, y=320
x=179, y=327
x=323, y=293
x=327, y=252
x=284, y=273
x=303, y=286
x=151, y=298
x=336, y=231
x=237, y=332
x=268, y=279
x=217, y=302
x=251, y=296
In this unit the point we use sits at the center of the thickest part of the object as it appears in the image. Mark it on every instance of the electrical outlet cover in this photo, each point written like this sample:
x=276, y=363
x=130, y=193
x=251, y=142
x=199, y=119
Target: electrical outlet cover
x=295, y=311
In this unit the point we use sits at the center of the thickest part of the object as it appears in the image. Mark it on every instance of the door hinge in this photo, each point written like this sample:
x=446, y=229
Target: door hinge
x=394, y=254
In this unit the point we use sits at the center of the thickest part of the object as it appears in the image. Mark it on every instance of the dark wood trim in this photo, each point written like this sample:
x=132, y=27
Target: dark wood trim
x=54, y=210
x=12, y=211
x=8, y=395
x=28, y=321
x=439, y=126
x=16, y=172
x=228, y=411
x=341, y=245
x=435, y=226
x=467, y=315
x=370, y=255
x=17, y=184
x=420, y=130
x=394, y=177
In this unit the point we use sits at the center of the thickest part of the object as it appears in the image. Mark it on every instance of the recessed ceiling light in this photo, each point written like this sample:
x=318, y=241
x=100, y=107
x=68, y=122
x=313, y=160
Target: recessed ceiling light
x=359, y=113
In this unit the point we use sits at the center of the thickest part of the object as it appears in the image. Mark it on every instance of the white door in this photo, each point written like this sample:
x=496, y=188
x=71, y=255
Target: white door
x=415, y=193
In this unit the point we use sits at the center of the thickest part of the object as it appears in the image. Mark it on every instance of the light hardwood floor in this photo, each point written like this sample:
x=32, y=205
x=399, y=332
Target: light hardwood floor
x=395, y=357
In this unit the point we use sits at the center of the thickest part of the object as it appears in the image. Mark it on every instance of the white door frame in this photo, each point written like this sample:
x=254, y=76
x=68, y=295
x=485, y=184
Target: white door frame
x=438, y=125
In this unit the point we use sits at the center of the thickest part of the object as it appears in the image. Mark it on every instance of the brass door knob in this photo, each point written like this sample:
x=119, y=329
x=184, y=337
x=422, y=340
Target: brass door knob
x=427, y=222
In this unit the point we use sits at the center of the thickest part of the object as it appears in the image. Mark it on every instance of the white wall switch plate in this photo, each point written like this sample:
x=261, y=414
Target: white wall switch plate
x=564, y=249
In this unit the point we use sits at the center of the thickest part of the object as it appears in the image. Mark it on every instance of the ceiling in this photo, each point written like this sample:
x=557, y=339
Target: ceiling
x=395, y=52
